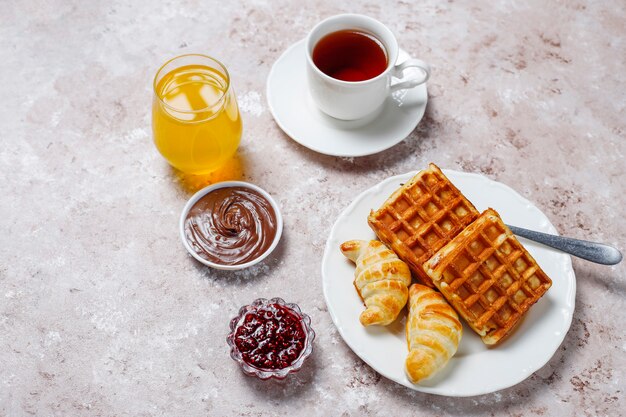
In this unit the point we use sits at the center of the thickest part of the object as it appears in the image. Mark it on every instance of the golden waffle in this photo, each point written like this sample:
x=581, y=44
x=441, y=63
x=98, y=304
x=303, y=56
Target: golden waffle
x=488, y=277
x=422, y=216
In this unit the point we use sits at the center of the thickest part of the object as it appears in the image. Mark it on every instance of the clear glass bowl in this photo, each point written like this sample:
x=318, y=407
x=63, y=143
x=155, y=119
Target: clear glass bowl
x=264, y=373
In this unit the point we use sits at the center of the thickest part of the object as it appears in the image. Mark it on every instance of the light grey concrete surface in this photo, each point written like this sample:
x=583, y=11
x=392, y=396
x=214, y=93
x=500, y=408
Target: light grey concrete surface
x=103, y=313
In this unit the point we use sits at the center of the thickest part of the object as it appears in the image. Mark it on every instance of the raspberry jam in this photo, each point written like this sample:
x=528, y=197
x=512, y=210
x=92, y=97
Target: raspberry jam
x=270, y=337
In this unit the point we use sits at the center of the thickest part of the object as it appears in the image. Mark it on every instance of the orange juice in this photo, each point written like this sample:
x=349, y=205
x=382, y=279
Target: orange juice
x=195, y=118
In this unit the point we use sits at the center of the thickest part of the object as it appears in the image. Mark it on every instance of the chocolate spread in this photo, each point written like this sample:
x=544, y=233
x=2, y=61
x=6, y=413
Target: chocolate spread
x=231, y=225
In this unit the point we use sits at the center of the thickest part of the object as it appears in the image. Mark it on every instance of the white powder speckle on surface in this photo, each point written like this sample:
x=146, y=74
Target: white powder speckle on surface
x=136, y=135
x=250, y=102
x=52, y=337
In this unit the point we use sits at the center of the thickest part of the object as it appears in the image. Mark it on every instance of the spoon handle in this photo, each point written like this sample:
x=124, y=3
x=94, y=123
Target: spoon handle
x=591, y=251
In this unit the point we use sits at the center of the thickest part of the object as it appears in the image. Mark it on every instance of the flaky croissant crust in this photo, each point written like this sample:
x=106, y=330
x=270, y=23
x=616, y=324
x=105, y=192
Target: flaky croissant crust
x=381, y=279
x=433, y=333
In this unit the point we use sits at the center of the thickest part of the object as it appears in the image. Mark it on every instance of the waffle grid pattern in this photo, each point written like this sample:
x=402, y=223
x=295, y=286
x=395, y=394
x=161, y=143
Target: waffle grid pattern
x=492, y=280
x=421, y=218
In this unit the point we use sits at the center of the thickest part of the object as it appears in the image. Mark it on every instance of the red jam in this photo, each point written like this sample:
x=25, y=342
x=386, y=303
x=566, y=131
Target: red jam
x=270, y=337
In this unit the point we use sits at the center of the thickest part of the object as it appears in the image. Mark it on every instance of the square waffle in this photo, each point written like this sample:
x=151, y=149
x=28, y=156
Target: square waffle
x=488, y=277
x=421, y=217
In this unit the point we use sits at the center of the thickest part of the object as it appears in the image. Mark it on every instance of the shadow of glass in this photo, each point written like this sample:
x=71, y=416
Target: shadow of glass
x=232, y=170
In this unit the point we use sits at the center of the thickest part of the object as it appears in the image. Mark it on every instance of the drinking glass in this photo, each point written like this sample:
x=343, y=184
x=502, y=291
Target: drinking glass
x=196, y=123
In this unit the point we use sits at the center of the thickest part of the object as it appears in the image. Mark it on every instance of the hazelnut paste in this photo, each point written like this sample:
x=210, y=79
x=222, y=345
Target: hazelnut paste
x=231, y=225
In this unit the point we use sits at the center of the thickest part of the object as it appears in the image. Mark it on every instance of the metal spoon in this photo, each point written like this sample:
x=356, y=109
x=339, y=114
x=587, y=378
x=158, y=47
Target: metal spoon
x=591, y=251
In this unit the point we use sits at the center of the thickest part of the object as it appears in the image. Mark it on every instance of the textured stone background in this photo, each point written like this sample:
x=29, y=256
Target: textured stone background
x=102, y=312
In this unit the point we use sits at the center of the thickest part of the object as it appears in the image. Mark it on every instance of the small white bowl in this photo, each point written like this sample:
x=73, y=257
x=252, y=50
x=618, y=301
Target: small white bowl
x=197, y=196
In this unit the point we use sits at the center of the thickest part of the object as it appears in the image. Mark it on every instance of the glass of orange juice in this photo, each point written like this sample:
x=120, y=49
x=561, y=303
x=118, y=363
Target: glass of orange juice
x=195, y=118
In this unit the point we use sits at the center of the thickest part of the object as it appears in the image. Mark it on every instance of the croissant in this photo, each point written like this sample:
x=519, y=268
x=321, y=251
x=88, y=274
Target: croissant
x=433, y=333
x=380, y=278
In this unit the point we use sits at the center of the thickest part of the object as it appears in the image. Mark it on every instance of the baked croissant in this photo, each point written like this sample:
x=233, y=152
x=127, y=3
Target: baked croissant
x=380, y=278
x=433, y=332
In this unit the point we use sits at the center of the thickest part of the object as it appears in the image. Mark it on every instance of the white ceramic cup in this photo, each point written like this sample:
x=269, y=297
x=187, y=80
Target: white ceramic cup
x=352, y=100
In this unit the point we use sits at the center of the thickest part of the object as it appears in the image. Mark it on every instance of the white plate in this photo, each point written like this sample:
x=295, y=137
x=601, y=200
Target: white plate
x=297, y=115
x=475, y=369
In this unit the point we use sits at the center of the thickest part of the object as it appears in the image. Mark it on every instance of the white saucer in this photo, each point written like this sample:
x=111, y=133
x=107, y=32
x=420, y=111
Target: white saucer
x=298, y=116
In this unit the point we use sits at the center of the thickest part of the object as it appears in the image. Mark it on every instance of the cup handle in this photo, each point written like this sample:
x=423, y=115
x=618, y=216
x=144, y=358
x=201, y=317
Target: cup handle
x=414, y=82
